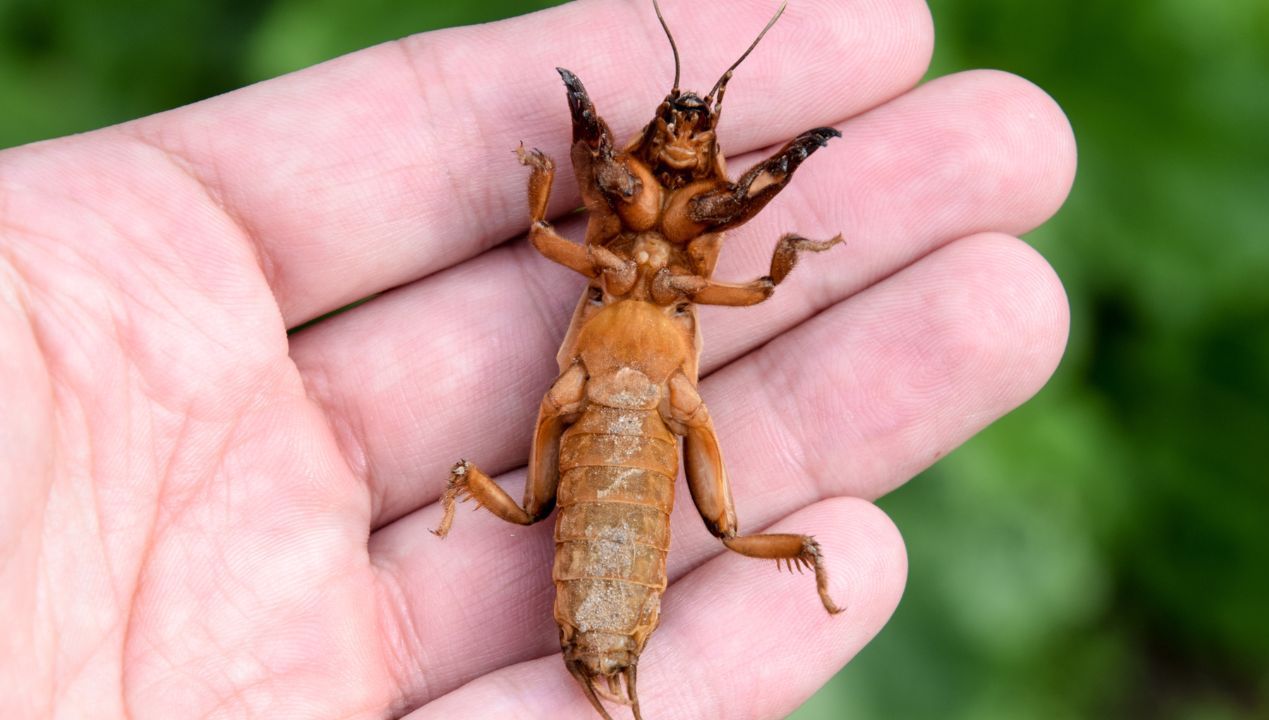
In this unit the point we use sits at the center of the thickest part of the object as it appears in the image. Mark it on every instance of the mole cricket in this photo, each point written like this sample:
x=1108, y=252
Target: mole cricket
x=606, y=446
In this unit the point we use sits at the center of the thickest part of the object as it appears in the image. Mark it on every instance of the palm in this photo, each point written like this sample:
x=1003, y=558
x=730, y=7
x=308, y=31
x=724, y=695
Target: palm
x=202, y=534
x=204, y=519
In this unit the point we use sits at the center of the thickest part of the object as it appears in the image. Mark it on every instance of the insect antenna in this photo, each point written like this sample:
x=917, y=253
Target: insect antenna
x=674, y=47
x=721, y=86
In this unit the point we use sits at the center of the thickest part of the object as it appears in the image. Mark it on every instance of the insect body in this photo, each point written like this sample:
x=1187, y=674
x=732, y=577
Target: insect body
x=606, y=445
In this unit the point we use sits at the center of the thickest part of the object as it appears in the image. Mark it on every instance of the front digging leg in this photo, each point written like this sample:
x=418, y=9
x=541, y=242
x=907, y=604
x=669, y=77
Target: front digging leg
x=734, y=204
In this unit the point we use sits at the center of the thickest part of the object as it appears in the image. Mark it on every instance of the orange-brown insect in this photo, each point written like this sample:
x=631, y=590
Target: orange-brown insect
x=606, y=445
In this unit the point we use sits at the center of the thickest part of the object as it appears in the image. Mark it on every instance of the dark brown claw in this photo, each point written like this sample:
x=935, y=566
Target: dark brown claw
x=588, y=127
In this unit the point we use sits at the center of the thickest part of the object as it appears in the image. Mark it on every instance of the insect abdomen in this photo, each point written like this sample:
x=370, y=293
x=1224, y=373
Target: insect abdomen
x=617, y=470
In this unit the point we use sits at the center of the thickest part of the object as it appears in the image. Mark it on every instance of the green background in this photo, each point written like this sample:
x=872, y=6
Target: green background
x=1101, y=552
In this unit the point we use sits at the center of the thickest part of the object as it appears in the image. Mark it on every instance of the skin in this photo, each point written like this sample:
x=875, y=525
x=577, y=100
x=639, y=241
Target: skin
x=204, y=518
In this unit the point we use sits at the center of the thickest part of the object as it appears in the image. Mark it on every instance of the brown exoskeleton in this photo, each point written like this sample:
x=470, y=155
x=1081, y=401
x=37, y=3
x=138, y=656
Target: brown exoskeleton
x=606, y=445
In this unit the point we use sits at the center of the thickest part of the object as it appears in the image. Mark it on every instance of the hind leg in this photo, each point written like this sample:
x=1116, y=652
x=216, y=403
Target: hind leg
x=707, y=481
x=561, y=403
x=800, y=551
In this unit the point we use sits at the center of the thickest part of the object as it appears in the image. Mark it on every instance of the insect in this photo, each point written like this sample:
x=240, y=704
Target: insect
x=606, y=447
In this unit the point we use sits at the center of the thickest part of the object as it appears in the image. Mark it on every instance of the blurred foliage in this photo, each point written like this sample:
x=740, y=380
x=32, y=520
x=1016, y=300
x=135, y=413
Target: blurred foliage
x=73, y=65
x=1102, y=552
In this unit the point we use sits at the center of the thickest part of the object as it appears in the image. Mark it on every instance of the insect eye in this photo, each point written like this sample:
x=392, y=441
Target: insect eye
x=595, y=296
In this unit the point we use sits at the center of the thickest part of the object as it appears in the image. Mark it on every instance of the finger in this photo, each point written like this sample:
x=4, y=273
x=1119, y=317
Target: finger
x=854, y=401
x=484, y=334
x=721, y=622
x=25, y=433
x=979, y=151
x=874, y=390
x=387, y=164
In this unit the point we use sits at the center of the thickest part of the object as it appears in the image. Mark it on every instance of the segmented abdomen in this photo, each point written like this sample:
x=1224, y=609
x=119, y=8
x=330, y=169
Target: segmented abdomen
x=617, y=471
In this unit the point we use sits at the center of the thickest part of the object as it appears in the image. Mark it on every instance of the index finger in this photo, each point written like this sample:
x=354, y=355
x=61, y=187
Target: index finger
x=390, y=163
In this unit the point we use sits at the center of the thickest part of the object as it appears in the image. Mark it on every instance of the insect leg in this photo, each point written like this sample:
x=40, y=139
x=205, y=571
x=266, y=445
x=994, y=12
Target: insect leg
x=559, y=249
x=799, y=551
x=543, y=237
x=786, y=253
x=594, y=154
x=589, y=260
x=711, y=292
x=707, y=482
x=734, y=204
x=588, y=127
x=541, y=175
x=559, y=407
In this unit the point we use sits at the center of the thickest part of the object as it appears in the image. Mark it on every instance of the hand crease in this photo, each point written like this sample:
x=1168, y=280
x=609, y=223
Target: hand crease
x=213, y=191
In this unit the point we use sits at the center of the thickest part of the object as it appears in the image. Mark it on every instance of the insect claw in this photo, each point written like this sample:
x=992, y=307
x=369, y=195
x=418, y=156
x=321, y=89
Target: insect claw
x=457, y=490
x=534, y=158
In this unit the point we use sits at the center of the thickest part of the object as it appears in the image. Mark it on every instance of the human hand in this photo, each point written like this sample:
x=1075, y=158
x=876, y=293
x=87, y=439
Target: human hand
x=204, y=518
